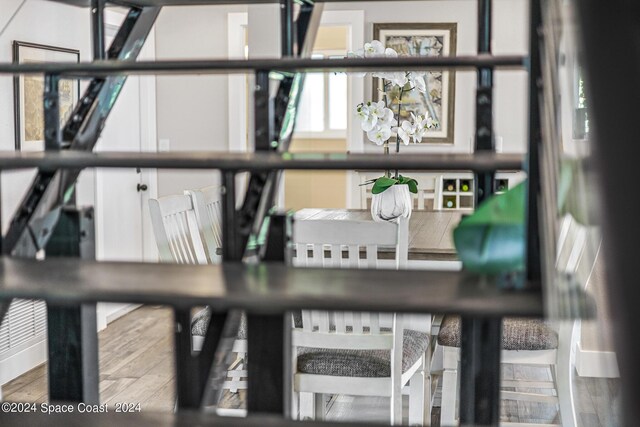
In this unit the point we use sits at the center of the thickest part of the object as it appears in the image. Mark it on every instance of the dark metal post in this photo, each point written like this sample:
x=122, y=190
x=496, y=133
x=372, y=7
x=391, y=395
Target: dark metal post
x=535, y=141
x=51, y=103
x=97, y=29
x=287, y=26
x=484, y=140
x=73, y=353
x=72, y=330
x=480, y=371
x=263, y=112
x=232, y=249
x=269, y=368
x=481, y=337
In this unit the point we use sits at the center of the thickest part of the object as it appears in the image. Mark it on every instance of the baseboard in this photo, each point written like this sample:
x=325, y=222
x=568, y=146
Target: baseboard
x=596, y=364
x=23, y=361
x=121, y=312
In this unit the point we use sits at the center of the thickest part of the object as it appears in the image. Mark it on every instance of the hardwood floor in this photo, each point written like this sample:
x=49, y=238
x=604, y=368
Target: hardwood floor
x=137, y=365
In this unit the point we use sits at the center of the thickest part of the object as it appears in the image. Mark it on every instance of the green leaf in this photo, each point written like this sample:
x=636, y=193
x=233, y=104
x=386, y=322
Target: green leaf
x=413, y=185
x=382, y=184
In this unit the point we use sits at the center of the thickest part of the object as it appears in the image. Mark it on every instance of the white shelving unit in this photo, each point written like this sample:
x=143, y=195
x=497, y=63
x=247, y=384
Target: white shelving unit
x=454, y=191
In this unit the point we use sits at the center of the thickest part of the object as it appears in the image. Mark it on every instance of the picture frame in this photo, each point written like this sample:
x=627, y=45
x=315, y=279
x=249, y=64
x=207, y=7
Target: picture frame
x=434, y=39
x=28, y=90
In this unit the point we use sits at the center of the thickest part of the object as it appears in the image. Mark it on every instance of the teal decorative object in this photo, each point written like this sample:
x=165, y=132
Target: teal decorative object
x=492, y=240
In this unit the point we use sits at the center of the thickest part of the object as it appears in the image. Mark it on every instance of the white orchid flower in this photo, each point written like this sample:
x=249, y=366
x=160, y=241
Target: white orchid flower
x=379, y=134
x=374, y=49
x=377, y=108
x=368, y=120
x=390, y=53
x=395, y=78
x=418, y=82
x=387, y=118
x=406, y=131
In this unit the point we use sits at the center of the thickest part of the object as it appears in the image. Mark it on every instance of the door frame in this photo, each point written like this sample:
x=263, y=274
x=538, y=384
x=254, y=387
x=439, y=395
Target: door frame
x=107, y=313
x=238, y=125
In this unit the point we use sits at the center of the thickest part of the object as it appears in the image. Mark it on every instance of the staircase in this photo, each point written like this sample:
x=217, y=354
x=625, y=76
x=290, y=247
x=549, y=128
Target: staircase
x=254, y=276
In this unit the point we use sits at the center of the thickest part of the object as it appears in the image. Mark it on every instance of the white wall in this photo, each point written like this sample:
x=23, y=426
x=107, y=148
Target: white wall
x=510, y=36
x=192, y=110
x=40, y=22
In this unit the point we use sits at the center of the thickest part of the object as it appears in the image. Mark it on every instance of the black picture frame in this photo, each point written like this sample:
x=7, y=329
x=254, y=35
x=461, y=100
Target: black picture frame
x=28, y=109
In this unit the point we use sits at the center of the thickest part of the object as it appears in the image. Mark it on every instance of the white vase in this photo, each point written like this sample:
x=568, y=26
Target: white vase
x=394, y=202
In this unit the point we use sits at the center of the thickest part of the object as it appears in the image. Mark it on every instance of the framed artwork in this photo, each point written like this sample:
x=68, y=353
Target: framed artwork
x=426, y=39
x=28, y=90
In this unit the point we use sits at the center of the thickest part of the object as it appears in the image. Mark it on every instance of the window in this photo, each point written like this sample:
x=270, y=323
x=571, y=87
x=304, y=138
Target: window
x=323, y=104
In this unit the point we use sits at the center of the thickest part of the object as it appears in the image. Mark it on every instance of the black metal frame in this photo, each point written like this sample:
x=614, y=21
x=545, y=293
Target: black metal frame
x=481, y=337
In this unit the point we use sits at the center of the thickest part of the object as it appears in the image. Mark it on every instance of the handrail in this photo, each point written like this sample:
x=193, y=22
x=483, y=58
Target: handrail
x=68, y=159
x=262, y=288
x=239, y=66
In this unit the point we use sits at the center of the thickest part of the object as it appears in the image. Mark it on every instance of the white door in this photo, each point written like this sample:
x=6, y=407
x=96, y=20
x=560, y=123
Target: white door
x=123, y=224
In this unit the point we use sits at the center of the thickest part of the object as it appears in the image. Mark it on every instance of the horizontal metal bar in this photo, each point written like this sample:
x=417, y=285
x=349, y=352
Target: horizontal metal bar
x=142, y=3
x=41, y=418
x=111, y=67
x=267, y=288
x=259, y=161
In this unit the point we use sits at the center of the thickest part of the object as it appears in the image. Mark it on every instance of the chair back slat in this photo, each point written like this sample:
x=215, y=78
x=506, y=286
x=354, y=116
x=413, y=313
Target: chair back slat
x=175, y=229
x=207, y=203
x=307, y=321
x=322, y=320
x=336, y=256
x=374, y=323
x=357, y=323
x=372, y=256
x=341, y=326
x=353, y=260
x=318, y=256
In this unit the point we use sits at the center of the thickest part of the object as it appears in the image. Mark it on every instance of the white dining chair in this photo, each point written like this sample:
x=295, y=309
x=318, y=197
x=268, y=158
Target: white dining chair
x=208, y=209
x=366, y=354
x=527, y=342
x=177, y=234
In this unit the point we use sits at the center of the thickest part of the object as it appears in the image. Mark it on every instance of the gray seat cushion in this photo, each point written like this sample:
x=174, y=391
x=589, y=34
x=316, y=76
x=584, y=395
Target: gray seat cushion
x=517, y=334
x=201, y=320
x=361, y=363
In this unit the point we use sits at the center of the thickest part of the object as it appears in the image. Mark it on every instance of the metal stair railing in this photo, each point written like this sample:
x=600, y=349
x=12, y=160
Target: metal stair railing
x=481, y=352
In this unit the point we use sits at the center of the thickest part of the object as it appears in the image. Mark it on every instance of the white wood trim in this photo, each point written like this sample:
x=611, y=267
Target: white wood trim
x=125, y=309
x=149, y=143
x=23, y=361
x=528, y=397
x=596, y=364
x=334, y=340
x=238, y=125
x=358, y=386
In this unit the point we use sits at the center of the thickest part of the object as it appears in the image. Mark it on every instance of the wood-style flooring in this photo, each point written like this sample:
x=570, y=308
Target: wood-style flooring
x=137, y=366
